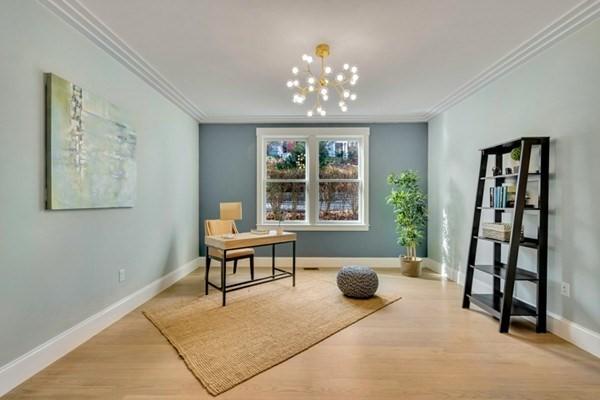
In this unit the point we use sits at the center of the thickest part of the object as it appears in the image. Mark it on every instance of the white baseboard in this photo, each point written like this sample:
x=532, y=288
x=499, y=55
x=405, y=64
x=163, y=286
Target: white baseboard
x=335, y=262
x=582, y=337
x=30, y=363
x=323, y=262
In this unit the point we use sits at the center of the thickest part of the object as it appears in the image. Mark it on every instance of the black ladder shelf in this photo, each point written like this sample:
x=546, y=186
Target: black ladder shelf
x=501, y=304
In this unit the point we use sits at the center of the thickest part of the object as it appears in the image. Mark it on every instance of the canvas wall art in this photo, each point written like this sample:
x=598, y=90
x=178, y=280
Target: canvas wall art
x=90, y=150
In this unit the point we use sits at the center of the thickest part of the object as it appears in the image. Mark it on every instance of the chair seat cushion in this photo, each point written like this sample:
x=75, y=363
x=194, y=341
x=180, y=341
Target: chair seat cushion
x=230, y=253
x=357, y=281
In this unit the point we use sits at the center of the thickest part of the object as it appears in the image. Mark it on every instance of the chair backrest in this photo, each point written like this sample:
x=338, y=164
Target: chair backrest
x=219, y=227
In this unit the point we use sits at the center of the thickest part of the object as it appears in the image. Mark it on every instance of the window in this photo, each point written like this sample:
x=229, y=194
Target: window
x=312, y=178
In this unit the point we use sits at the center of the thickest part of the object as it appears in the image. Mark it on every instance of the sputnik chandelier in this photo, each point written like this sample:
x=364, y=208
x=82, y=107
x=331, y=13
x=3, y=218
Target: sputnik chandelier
x=305, y=84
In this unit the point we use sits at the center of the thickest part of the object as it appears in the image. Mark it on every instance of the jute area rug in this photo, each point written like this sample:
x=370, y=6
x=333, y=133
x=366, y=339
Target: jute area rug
x=259, y=328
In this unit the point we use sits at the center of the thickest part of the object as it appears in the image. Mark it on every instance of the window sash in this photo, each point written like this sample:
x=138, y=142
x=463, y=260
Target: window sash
x=319, y=180
x=262, y=217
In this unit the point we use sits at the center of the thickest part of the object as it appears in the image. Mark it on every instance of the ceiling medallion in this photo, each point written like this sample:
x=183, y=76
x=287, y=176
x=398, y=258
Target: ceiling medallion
x=305, y=83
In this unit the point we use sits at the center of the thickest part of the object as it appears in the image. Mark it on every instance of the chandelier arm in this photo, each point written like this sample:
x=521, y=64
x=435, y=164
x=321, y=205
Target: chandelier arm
x=308, y=70
x=342, y=83
x=338, y=90
x=339, y=93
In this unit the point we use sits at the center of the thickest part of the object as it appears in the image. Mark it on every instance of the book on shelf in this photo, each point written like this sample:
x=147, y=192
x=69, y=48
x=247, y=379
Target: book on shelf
x=511, y=192
x=502, y=196
x=496, y=196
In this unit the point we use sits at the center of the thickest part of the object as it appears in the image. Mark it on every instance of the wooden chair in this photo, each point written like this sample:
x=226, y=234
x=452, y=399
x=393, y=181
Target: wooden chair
x=222, y=227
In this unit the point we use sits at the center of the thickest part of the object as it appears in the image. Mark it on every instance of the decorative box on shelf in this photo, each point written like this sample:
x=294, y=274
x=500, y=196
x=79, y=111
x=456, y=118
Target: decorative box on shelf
x=497, y=231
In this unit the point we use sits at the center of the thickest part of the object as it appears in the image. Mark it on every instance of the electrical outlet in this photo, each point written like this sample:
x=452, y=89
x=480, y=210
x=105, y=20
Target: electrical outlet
x=122, y=275
x=565, y=289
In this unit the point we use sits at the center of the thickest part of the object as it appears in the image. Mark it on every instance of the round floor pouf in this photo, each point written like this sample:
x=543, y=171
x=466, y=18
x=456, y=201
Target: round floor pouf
x=357, y=281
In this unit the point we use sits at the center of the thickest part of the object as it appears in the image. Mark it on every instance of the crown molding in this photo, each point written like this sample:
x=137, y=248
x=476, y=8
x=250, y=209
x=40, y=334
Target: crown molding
x=82, y=19
x=572, y=20
x=274, y=119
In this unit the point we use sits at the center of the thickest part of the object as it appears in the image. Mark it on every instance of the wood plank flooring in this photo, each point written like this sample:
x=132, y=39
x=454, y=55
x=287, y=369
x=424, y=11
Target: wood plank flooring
x=421, y=347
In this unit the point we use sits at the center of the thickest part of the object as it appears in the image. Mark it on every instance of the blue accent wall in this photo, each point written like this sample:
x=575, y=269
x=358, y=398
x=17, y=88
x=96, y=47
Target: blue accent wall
x=228, y=173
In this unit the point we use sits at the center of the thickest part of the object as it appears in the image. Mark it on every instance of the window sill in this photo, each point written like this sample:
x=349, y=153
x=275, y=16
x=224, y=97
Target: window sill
x=317, y=227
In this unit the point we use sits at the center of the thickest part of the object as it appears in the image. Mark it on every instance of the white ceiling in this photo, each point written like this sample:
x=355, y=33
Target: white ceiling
x=231, y=58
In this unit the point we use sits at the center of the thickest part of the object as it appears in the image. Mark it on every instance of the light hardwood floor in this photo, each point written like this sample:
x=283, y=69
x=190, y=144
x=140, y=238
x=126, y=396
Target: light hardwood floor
x=421, y=347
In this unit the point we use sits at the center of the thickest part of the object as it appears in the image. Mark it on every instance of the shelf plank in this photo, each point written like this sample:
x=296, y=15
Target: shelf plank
x=506, y=147
x=493, y=303
x=525, y=242
x=508, y=209
x=530, y=175
x=499, y=270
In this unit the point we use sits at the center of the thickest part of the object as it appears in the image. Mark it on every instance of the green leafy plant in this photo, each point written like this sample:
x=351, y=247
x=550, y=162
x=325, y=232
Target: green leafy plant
x=410, y=209
x=515, y=154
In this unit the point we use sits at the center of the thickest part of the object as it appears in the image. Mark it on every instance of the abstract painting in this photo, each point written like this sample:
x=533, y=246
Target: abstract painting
x=90, y=150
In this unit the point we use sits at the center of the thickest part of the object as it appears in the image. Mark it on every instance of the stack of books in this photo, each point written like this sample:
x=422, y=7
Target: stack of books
x=502, y=196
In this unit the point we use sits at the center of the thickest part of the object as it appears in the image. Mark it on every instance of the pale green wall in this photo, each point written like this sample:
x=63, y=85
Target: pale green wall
x=59, y=267
x=556, y=94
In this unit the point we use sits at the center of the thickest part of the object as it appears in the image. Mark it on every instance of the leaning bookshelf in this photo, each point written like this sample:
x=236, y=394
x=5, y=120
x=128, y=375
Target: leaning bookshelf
x=505, y=198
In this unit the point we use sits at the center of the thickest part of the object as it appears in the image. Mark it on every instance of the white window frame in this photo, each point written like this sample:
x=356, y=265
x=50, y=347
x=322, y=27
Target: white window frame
x=312, y=136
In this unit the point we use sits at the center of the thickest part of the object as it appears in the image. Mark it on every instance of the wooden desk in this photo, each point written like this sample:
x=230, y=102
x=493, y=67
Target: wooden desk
x=244, y=240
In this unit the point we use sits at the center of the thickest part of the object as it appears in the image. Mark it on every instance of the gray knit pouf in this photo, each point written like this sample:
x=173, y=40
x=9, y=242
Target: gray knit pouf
x=357, y=281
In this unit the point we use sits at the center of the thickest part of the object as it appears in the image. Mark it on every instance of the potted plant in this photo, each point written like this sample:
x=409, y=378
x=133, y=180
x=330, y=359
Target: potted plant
x=515, y=155
x=410, y=216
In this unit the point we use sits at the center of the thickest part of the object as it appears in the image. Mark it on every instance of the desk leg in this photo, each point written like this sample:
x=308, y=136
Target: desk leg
x=294, y=263
x=273, y=260
x=206, y=269
x=223, y=277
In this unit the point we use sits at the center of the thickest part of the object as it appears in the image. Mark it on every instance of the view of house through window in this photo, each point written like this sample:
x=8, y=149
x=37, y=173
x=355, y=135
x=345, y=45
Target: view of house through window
x=313, y=177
